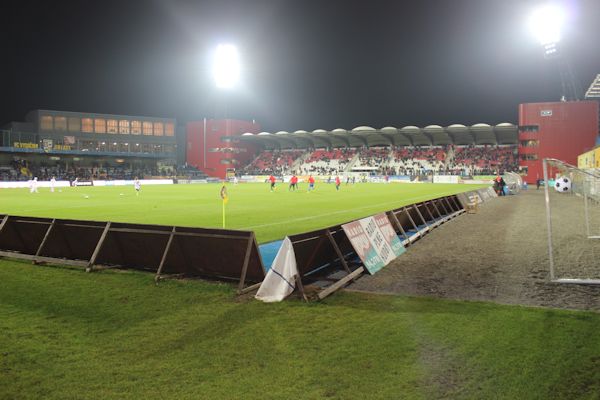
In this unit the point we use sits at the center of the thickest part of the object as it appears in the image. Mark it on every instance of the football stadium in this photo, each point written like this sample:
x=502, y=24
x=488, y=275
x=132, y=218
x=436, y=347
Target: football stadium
x=213, y=258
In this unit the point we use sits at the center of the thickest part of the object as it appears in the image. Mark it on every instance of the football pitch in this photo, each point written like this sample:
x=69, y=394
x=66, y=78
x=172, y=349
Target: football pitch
x=272, y=215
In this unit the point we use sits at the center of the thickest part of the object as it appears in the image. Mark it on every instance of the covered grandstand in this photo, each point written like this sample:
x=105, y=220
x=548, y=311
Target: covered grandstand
x=366, y=136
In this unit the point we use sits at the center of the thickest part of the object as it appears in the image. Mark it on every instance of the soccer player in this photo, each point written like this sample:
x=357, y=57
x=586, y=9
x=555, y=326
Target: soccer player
x=137, y=185
x=52, y=184
x=311, y=183
x=293, y=181
x=337, y=183
x=75, y=182
x=235, y=180
x=272, y=180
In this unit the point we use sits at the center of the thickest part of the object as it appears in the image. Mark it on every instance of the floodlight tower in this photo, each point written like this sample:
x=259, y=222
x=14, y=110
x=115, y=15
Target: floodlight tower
x=226, y=67
x=226, y=75
x=546, y=24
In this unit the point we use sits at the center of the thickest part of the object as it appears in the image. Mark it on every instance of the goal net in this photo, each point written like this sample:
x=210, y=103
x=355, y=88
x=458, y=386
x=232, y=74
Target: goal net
x=572, y=198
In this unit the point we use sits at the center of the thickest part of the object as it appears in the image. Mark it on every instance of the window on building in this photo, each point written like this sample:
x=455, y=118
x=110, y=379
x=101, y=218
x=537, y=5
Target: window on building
x=147, y=128
x=112, y=126
x=136, y=127
x=169, y=129
x=124, y=126
x=100, y=125
x=87, y=125
x=529, y=128
x=74, y=124
x=46, y=123
x=60, y=123
x=158, y=129
x=529, y=143
x=529, y=157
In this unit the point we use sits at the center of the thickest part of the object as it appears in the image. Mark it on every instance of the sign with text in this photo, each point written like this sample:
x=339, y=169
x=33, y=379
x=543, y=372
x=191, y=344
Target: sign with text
x=389, y=234
x=373, y=240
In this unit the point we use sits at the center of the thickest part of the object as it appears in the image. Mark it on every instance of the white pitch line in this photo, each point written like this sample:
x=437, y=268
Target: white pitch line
x=287, y=221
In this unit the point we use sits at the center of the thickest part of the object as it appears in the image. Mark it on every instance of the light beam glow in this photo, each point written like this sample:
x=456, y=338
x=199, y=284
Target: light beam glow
x=546, y=24
x=226, y=68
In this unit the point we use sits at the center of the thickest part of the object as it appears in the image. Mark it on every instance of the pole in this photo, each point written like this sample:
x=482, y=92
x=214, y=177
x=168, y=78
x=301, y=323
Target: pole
x=204, y=143
x=223, y=203
x=548, y=218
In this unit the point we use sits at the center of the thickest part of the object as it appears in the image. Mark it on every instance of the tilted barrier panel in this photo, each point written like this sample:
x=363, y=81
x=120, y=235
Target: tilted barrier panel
x=214, y=253
x=314, y=249
x=23, y=234
x=75, y=240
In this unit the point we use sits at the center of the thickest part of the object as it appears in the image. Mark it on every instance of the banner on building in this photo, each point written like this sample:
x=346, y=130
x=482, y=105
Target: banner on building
x=47, y=144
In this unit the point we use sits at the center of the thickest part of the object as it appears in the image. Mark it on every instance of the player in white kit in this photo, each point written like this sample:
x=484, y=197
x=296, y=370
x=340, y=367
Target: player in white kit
x=33, y=185
x=137, y=185
x=52, y=184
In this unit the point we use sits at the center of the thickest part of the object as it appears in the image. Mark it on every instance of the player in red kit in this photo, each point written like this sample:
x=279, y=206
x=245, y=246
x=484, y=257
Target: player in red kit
x=311, y=183
x=337, y=183
x=272, y=180
x=293, y=183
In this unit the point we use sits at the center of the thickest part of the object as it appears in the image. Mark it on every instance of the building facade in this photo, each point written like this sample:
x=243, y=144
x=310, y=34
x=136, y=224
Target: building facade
x=561, y=130
x=89, y=139
x=214, y=146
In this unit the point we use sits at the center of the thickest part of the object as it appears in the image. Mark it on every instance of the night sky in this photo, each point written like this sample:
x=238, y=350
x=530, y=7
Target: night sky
x=306, y=64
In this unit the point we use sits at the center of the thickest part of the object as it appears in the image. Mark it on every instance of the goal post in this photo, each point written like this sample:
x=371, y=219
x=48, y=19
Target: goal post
x=572, y=202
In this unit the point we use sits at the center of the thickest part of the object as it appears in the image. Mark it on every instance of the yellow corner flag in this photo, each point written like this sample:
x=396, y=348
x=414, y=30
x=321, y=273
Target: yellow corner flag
x=225, y=199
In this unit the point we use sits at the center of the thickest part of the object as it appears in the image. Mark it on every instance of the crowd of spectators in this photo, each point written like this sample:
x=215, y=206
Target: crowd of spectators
x=327, y=162
x=417, y=160
x=373, y=157
x=484, y=160
x=23, y=170
x=272, y=162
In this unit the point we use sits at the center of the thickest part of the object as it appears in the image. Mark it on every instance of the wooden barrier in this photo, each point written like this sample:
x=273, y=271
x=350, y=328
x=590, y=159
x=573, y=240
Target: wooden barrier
x=165, y=250
x=323, y=256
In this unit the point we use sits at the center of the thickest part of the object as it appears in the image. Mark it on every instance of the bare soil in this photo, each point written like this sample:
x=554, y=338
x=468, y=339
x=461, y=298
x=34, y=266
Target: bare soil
x=499, y=254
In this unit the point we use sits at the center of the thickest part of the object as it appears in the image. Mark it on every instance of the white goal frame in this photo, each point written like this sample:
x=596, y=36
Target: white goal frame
x=580, y=191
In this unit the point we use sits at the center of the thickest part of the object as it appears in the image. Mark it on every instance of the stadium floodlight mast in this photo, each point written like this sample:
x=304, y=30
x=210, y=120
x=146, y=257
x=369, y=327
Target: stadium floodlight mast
x=546, y=24
x=226, y=67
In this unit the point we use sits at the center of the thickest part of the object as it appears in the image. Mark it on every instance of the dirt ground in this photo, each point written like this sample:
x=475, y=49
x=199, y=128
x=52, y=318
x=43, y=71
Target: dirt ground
x=499, y=254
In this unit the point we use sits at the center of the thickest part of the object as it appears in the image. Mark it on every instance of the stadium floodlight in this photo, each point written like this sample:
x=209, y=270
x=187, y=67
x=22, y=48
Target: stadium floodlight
x=226, y=67
x=546, y=23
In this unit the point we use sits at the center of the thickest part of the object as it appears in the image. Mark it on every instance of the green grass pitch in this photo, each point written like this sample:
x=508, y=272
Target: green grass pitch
x=272, y=215
x=67, y=334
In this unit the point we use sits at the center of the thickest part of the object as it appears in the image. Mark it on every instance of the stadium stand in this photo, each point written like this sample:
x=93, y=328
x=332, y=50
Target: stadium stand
x=400, y=160
x=417, y=160
x=272, y=162
x=483, y=160
x=23, y=170
x=326, y=162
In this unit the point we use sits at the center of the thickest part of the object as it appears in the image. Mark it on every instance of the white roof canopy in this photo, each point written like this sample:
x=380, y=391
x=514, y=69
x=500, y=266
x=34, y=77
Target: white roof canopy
x=431, y=135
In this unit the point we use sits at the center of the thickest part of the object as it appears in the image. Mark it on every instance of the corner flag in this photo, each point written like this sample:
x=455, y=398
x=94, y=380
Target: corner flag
x=224, y=194
x=225, y=199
